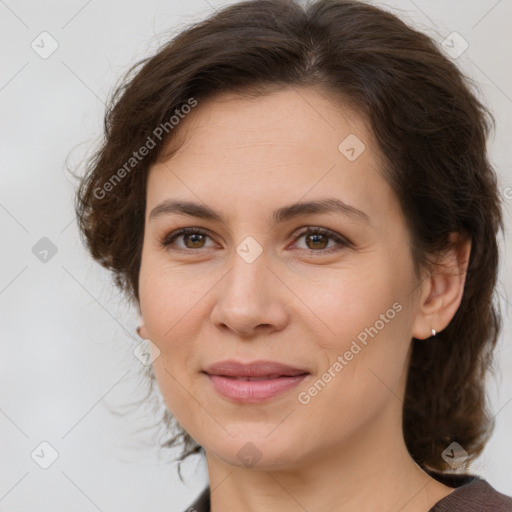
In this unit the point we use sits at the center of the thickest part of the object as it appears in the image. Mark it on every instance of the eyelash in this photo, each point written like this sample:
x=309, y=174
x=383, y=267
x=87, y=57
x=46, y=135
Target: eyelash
x=169, y=239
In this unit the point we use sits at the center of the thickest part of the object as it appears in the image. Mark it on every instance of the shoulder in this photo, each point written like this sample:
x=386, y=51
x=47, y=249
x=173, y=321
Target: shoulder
x=202, y=503
x=471, y=493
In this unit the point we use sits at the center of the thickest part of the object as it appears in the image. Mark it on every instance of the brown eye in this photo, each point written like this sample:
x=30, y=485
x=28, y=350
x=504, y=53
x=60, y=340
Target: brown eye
x=196, y=240
x=193, y=239
x=317, y=240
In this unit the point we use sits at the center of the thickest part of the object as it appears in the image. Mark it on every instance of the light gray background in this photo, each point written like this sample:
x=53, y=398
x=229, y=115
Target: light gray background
x=66, y=335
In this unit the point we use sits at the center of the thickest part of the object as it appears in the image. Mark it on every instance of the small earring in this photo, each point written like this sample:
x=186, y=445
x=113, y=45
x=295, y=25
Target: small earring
x=433, y=331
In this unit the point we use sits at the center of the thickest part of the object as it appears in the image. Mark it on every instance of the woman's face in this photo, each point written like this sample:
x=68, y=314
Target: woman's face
x=256, y=286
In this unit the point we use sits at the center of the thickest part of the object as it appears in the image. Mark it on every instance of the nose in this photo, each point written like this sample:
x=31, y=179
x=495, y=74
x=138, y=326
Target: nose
x=251, y=299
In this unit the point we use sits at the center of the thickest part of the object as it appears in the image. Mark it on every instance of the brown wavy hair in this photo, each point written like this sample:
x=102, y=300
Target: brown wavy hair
x=431, y=130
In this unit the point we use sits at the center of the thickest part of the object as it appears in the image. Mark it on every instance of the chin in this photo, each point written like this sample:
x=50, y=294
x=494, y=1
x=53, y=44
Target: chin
x=256, y=451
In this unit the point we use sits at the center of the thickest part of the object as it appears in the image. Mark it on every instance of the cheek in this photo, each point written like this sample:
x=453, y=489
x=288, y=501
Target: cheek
x=167, y=295
x=170, y=324
x=173, y=388
x=164, y=317
x=360, y=379
x=365, y=347
x=342, y=303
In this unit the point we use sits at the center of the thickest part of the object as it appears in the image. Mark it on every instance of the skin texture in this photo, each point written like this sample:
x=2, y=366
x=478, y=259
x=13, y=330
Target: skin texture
x=297, y=303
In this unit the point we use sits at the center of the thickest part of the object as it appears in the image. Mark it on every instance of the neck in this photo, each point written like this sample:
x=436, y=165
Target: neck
x=371, y=471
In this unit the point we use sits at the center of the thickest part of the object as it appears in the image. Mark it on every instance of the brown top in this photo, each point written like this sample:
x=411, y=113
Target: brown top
x=472, y=494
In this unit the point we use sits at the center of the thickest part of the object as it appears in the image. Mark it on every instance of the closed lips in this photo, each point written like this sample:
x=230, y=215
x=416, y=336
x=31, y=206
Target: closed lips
x=264, y=377
x=257, y=370
x=254, y=382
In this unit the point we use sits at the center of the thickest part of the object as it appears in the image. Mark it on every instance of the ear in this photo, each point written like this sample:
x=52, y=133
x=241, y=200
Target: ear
x=142, y=331
x=442, y=291
x=141, y=327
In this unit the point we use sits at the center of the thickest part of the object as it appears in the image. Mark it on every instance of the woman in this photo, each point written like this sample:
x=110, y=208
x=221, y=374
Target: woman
x=300, y=203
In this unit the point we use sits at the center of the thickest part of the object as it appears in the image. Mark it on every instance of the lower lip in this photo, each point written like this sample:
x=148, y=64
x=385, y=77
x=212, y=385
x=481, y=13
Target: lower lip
x=247, y=391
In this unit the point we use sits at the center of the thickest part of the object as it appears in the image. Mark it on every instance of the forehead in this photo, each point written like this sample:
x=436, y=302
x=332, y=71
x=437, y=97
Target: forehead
x=284, y=146
x=304, y=116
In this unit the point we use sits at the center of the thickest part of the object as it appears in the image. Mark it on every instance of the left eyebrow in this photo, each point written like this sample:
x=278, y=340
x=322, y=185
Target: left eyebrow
x=283, y=214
